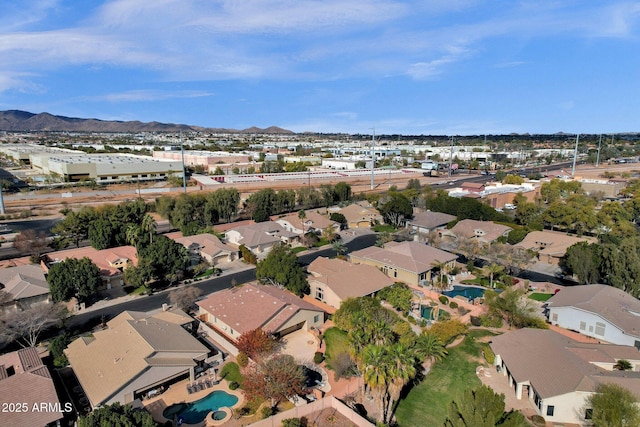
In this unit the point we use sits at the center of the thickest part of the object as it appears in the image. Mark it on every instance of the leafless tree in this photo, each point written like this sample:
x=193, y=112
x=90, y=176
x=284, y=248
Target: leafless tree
x=185, y=297
x=27, y=325
x=30, y=242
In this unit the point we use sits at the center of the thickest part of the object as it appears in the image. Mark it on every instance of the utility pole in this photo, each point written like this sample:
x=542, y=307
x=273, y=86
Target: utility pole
x=373, y=154
x=184, y=170
x=598, y=156
x=575, y=155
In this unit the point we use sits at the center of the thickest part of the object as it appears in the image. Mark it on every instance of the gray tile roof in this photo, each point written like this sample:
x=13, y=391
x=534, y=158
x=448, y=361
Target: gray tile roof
x=555, y=364
x=614, y=305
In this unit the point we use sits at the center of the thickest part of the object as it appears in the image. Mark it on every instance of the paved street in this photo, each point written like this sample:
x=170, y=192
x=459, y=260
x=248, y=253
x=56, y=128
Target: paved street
x=146, y=303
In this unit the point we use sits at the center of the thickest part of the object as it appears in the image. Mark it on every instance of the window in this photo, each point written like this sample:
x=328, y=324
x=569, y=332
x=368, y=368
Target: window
x=554, y=317
x=316, y=318
x=395, y=273
x=588, y=414
x=583, y=326
x=550, y=409
x=637, y=344
x=600, y=328
x=319, y=294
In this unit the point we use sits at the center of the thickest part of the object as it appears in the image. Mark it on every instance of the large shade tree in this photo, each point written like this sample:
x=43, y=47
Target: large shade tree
x=73, y=277
x=280, y=268
x=613, y=406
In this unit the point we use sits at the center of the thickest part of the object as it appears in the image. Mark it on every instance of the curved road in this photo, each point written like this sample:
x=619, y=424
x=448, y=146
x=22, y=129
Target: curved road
x=152, y=302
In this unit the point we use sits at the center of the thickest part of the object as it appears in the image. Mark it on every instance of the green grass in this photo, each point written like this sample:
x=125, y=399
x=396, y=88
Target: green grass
x=321, y=242
x=427, y=403
x=540, y=297
x=139, y=290
x=382, y=228
x=298, y=249
x=231, y=373
x=337, y=342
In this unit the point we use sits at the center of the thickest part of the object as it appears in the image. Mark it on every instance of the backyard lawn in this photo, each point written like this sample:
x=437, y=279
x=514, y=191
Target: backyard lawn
x=427, y=403
x=540, y=297
x=337, y=342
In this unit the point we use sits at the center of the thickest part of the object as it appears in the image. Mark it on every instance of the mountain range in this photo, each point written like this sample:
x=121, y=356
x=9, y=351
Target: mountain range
x=16, y=120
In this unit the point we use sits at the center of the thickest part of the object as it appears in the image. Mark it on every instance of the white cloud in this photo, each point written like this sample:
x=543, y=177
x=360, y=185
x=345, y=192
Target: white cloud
x=147, y=95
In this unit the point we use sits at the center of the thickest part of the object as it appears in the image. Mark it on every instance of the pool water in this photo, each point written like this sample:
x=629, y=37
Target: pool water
x=469, y=292
x=196, y=412
x=312, y=377
x=426, y=312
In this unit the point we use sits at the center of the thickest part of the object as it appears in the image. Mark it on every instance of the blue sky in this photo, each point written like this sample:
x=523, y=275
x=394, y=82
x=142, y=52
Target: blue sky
x=411, y=67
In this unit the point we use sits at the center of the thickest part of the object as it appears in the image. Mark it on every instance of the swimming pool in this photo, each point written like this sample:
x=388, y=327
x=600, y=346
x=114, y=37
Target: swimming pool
x=426, y=312
x=469, y=292
x=196, y=412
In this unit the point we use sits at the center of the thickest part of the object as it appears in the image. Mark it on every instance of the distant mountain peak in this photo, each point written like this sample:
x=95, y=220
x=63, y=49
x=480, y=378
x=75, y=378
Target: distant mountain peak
x=16, y=120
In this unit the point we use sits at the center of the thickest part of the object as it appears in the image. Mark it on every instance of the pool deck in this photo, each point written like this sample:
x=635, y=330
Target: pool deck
x=177, y=393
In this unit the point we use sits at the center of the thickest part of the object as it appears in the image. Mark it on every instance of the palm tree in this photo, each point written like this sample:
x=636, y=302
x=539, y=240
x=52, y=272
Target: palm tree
x=302, y=215
x=132, y=235
x=491, y=270
x=623, y=365
x=377, y=373
x=443, y=268
x=402, y=369
x=380, y=333
x=148, y=225
x=429, y=347
x=339, y=247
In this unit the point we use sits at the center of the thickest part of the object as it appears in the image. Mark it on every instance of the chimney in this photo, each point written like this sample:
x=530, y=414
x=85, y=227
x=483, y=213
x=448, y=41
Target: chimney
x=165, y=307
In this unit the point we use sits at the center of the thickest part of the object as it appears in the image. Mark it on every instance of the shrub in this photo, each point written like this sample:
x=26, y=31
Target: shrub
x=318, y=357
x=233, y=385
x=267, y=411
x=448, y=330
x=343, y=366
x=489, y=355
x=453, y=304
x=443, y=299
x=538, y=420
x=423, y=323
x=294, y=422
x=462, y=311
x=490, y=321
x=242, y=359
x=475, y=321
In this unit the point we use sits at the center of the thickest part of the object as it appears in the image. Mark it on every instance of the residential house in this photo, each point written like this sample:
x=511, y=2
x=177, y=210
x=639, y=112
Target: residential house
x=334, y=280
x=207, y=247
x=26, y=285
x=557, y=374
x=599, y=311
x=424, y=222
x=260, y=237
x=312, y=222
x=29, y=396
x=473, y=187
x=361, y=215
x=234, y=311
x=484, y=232
x=137, y=353
x=111, y=262
x=408, y=262
x=550, y=246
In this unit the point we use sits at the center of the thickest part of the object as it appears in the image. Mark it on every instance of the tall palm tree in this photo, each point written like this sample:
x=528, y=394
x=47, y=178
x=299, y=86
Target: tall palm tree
x=402, y=369
x=377, y=373
x=149, y=225
x=380, y=332
x=443, y=268
x=132, y=235
x=302, y=215
x=491, y=270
